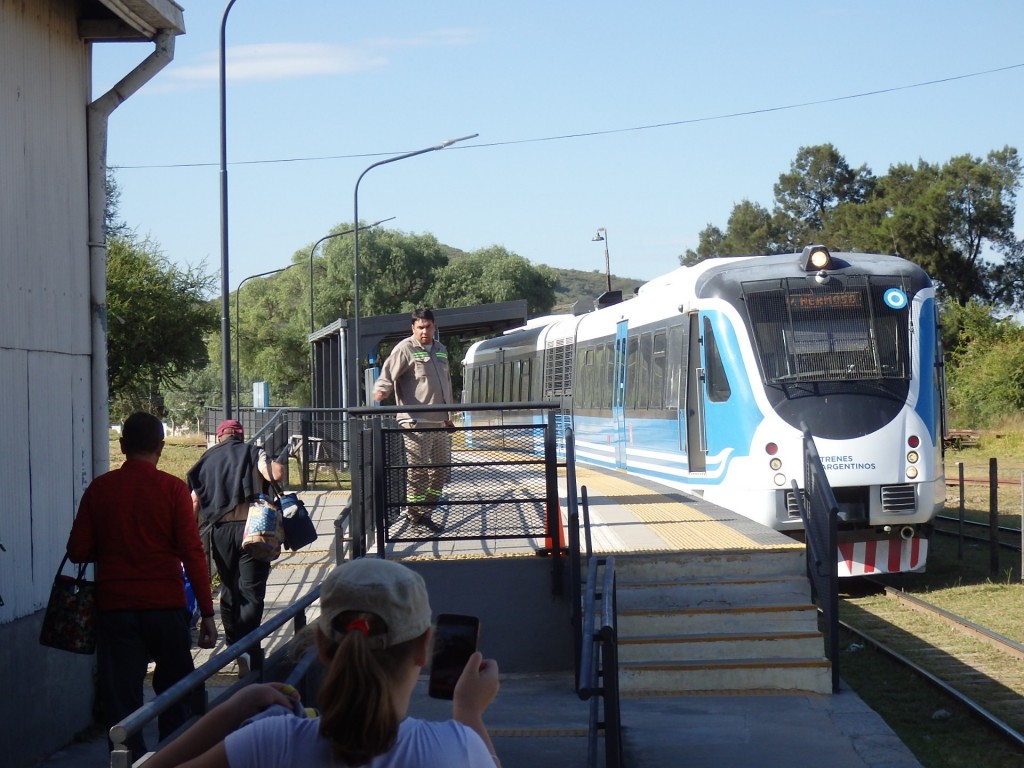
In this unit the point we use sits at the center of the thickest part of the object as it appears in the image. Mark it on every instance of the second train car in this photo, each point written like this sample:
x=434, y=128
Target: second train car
x=703, y=379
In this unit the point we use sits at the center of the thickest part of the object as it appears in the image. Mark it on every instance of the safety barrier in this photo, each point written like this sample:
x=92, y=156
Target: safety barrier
x=317, y=438
x=820, y=513
x=594, y=624
x=192, y=687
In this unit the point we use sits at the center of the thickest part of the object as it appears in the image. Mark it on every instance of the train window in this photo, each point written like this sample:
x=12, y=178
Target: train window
x=676, y=362
x=506, y=383
x=632, y=364
x=658, y=359
x=718, y=388
x=643, y=370
x=517, y=372
x=527, y=389
x=585, y=379
x=488, y=389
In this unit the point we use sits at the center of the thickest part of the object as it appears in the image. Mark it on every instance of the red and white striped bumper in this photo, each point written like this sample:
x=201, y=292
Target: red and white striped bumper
x=867, y=558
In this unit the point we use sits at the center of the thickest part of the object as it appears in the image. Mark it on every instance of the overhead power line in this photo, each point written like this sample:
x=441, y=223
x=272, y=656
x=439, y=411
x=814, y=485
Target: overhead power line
x=609, y=131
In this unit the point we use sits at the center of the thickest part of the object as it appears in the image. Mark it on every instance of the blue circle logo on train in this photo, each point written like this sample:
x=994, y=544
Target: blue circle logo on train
x=895, y=298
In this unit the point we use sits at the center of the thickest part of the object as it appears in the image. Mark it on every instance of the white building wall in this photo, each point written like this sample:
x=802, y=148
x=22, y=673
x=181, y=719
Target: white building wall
x=45, y=357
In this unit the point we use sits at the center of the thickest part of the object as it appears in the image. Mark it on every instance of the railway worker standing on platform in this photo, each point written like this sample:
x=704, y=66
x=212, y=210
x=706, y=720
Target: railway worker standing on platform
x=417, y=373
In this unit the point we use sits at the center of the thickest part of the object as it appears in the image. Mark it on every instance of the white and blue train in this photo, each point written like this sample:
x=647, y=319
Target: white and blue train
x=703, y=379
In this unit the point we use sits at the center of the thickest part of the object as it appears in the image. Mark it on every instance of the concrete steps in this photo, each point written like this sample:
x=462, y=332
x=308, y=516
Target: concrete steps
x=730, y=621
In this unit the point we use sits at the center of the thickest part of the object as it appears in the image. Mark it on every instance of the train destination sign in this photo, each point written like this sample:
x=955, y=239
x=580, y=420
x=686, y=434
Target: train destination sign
x=838, y=300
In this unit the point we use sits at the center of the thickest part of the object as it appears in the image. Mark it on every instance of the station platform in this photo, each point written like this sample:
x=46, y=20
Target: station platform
x=537, y=719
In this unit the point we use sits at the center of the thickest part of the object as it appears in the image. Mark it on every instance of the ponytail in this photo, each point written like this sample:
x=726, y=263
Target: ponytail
x=357, y=708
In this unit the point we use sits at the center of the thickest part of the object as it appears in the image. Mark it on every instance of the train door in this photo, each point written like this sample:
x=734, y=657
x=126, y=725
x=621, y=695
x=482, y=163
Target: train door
x=619, y=393
x=696, y=439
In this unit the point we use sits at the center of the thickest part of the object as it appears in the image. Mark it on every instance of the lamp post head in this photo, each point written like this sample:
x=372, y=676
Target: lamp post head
x=598, y=237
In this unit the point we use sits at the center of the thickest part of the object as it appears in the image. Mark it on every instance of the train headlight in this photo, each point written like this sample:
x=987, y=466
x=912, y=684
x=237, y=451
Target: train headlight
x=775, y=463
x=911, y=472
x=815, y=258
x=780, y=480
x=912, y=457
x=913, y=441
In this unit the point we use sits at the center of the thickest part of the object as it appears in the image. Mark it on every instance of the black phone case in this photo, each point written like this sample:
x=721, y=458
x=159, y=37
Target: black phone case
x=455, y=640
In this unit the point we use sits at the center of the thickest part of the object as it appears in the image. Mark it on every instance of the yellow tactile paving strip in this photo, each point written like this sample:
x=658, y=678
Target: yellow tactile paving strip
x=681, y=525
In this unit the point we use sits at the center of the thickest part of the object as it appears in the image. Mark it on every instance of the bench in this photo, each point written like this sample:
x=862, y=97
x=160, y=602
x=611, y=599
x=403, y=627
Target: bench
x=961, y=438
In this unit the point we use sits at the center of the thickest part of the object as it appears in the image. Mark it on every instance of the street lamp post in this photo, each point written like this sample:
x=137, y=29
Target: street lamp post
x=313, y=250
x=238, y=356
x=602, y=235
x=354, y=386
x=225, y=293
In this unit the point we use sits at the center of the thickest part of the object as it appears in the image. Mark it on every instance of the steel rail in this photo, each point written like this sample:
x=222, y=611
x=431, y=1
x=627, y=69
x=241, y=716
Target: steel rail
x=1003, y=728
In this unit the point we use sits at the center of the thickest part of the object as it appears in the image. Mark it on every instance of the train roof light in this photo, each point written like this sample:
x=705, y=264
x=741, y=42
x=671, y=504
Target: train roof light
x=816, y=257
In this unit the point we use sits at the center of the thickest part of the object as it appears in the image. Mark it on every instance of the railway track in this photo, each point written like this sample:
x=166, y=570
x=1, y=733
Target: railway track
x=980, y=668
x=1009, y=538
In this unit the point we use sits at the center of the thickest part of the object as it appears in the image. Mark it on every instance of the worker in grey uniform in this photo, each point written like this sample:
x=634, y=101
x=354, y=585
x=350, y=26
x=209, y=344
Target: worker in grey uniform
x=416, y=373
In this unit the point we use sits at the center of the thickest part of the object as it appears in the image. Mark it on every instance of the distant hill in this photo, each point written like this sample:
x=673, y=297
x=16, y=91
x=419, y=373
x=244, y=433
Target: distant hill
x=573, y=284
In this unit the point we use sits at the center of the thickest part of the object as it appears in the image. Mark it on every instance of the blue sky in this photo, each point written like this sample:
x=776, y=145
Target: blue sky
x=651, y=119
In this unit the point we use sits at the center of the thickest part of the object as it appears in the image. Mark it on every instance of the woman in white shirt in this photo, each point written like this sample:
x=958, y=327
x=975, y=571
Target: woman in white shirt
x=373, y=635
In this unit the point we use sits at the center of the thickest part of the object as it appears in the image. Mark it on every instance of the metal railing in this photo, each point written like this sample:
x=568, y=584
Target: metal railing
x=192, y=687
x=820, y=514
x=595, y=625
x=599, y=662
x=316, y=437
x=501, y=481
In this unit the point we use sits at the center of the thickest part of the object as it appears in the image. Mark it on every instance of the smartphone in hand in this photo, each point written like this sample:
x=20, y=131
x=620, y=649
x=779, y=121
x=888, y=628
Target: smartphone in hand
x=455, y=640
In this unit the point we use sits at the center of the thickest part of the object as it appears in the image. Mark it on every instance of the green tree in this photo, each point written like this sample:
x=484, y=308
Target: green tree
x=752, y=229
x=492, y=275
x=158, y=316
x=986, y=376
x=818, y=182
x=955, y=220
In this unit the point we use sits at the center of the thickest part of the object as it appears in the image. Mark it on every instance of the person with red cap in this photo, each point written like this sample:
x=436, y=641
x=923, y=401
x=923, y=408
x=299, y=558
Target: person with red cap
x=225, y=480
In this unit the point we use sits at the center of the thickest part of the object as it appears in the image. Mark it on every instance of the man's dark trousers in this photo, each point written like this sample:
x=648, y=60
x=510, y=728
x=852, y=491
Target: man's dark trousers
x=125, y=643
x=243, y=582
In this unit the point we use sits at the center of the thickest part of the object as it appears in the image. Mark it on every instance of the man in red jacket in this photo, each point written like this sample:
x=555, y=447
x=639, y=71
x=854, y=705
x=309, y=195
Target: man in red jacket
x=136, y=523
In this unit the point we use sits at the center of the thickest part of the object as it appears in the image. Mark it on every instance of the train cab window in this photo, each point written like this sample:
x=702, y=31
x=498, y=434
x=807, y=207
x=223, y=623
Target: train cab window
x=658, y=364
x=717, y=382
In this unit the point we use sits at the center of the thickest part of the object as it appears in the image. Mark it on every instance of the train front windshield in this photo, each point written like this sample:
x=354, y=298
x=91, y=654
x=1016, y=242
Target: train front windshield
x=849, y=328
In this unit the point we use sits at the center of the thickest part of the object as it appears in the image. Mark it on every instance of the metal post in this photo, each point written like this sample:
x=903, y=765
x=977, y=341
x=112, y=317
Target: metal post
x=238, y=356
x=602, y=235
x=960, y=522
x=993, y=516
x=225, y=293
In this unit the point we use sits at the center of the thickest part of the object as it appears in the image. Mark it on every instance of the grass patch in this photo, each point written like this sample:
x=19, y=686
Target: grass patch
x=940, y=731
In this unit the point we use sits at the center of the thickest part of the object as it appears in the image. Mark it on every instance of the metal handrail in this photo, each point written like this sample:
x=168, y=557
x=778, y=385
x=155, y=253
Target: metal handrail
x=189, y=686
x=819, y=512
x=599, y=663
